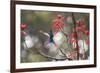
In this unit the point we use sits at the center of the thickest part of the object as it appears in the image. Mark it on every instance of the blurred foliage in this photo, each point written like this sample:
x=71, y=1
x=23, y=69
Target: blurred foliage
x=43, y=19
x=36, y=58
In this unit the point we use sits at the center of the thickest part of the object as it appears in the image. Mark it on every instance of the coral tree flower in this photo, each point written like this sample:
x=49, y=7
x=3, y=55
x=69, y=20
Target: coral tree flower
x=23, y=26
x=81, y=26
x=86, y=32
x=24, y=33
x=87, y=42
x=58, y=23
x=73, y=35
x=80, y=22
x=60, y=17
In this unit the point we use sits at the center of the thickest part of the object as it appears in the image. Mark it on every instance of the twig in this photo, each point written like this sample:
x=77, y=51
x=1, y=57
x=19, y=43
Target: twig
x=76, y=36
x=47, y=56
x=64, y=54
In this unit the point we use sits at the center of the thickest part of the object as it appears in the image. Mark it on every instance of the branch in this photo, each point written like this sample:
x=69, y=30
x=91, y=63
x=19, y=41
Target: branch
x=41, y=53
x=76, y=36
x=64, y=54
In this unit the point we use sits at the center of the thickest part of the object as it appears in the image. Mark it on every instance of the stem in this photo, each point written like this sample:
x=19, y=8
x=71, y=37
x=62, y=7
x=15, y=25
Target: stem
x=77, y=48
x=64, y=54
x=47, y=56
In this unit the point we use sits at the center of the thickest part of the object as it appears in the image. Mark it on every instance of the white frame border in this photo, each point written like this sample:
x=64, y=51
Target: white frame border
x=59, y=63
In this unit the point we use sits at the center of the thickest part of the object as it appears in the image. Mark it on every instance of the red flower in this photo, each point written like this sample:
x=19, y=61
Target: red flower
x=80, y=22
x=83, y=27
x=55, y=20
x=73, y=35
x=59, y=16
x=57, y=25
x=23, y=33
x=23, y=26
x=62, y=19
x=73, y=41
x=78, y=28
x=87, y=42
x=86, y=32
x=82, y=30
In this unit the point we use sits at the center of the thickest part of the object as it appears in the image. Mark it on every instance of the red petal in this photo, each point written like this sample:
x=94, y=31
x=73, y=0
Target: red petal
x=23, y=33
x=87, y=42
x=72, y=41
x=54, y=27
x=59, y=16
x=23, y=26
x=80, y=22
x=73, y=35
x=55, y=20
x=77, y=22
x=78, y=28
x=57, y=25
x=86, y=32
x=62, y=19
x=83, y=26
x=83, y=30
